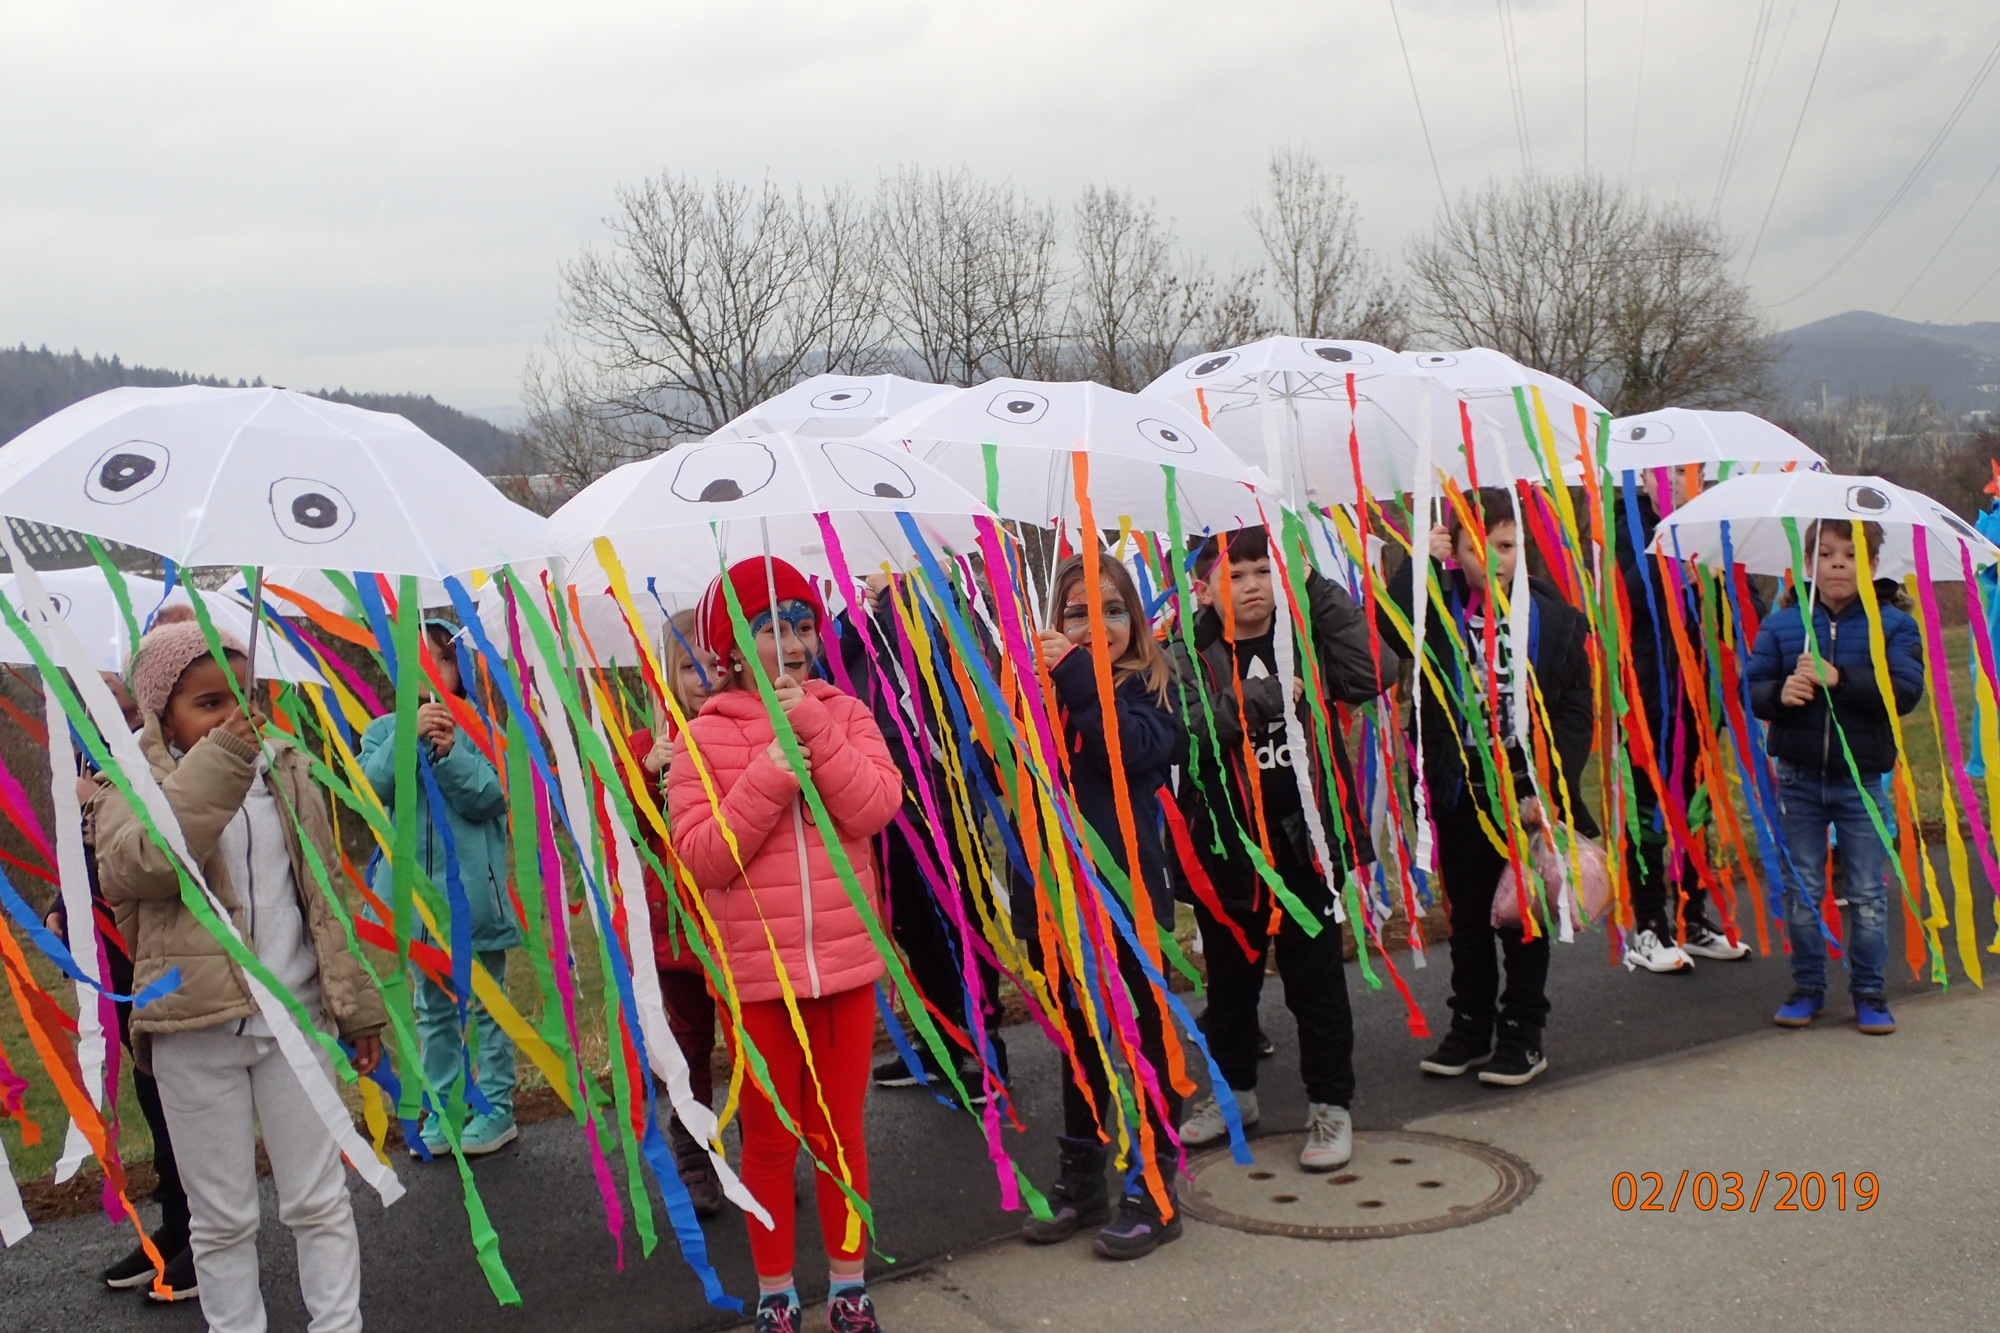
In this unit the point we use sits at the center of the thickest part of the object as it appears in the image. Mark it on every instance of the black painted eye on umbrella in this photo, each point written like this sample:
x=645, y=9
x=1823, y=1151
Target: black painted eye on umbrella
x=1436, y=360
x=843, y=400
x=1018, y=405
x=1866, y=500
x=869, y=473
x=1959, y=525
x=1342, y=356
x=720, y=473
x=59, y=605
x=1174, y=439
x=1210, y=366
x=309, y=511
x=127, y=471
x=1644, y=432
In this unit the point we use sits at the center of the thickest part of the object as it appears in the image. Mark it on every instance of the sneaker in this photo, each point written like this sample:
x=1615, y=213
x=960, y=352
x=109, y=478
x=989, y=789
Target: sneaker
x=433, y=1138
x=895, y=1074
x=1457, y=1053
x=1266, y=1048
x=1514, y=1063
x=134, y=1270
x=1079, y=1198
x=488, y=1133
x=1705, y=941
x=1872, y=1016
x=778, y=1313
x=1329, y=1138
x=1800, y=1010
x=1655, y=954
x=852, y=1312
x=1137, y=1231
x=178, y=1282
x=1207, y=1126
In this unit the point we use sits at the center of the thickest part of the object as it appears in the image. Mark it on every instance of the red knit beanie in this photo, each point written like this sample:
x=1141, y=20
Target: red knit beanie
x=753, y=580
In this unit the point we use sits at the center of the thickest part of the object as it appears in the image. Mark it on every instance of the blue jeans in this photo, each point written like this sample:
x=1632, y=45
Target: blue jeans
x=444, y=1049
x=1812, y=803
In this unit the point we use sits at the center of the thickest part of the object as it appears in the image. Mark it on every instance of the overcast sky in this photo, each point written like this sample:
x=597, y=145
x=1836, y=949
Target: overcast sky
x=380, y=194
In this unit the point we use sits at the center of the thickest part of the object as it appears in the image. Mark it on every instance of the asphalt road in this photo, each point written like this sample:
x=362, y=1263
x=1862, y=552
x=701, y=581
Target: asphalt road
x=933, y=1186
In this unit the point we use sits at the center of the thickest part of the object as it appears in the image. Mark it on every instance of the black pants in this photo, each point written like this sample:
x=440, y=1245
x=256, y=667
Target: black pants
x=1079, y=1120
x=1315, y=977
x=1657, y=871
x=171, y=1236
x=1471, y=867
x=927, y=941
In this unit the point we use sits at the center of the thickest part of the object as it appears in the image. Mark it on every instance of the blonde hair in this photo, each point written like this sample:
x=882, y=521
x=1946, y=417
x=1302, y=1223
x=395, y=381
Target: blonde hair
x=1143, y=656
x=676, y=634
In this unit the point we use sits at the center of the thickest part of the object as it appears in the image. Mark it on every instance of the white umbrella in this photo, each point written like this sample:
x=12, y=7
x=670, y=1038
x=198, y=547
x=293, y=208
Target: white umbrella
x=832, y=406
x=1013, y=441
x=83, y=598
x=210, y=476
x=1284, y=404
x=1678, y=436
x=601, y=619
x=1496, y=390
x=1754, y=509
x=682, y=516
x=314, y=584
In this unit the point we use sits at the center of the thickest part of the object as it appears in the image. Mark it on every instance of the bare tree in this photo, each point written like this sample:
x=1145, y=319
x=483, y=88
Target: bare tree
x=713, y=297
x=1325, y=282
x=1133, y=307
x=1584, y=280
x=969, y=275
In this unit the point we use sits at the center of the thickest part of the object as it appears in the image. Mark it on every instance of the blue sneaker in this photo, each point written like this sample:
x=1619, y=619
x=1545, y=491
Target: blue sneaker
x=852, y=1312
x=434, y=1140
x=1801, y=1009
x=779, y=1313
x=487, y=1133
x=1872, y=1016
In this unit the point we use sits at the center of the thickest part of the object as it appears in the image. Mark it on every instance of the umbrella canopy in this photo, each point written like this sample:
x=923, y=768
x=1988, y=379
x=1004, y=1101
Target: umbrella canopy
x=1754, y=509
x=1496, y=390
x=600, y=618
x=1678, y=436
x=210, y=476
x=832, y=406
x=1013, y=442
x=314, y=584
x=83, y=597
x=680, y=517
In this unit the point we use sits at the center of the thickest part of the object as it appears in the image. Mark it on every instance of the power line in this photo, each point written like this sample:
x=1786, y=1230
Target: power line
x=1740, y=123
x=1948, y=238
x=1518, y=98
x=1418, y=98
x=1973, y=295
x=1797, y=125
x=1937, y=142
x=1586, y=85
x=1638, y=90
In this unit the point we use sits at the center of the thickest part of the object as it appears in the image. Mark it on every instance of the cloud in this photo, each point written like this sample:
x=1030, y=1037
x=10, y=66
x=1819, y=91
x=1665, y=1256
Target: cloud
x=322, y=193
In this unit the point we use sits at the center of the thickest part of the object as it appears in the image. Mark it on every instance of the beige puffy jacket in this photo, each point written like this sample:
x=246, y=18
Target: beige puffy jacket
x=206, y=787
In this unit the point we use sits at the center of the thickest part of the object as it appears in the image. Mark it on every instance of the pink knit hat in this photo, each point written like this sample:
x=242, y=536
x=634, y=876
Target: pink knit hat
x=168, y=649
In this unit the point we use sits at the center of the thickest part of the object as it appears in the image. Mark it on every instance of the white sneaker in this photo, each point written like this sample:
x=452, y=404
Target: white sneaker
x=1207, y=1126
x=1705, y=941
x=1649, y=951
x=1329, y=1138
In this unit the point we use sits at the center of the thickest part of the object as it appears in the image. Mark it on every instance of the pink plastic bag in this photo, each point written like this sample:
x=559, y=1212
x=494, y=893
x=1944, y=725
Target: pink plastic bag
x=1589, y=893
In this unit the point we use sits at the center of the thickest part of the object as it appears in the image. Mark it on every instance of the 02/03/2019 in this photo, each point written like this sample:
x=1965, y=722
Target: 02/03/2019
x=1725, y=1191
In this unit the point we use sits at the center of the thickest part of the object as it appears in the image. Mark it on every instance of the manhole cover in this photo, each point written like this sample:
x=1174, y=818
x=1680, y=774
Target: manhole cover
x=1398, y=1184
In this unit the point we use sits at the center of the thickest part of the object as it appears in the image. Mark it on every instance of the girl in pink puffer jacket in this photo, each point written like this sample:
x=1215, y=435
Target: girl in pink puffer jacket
x=779, y=904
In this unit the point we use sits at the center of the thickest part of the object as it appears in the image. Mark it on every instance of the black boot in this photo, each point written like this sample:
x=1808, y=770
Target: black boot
x=1079, y=1198
x=704, y=1187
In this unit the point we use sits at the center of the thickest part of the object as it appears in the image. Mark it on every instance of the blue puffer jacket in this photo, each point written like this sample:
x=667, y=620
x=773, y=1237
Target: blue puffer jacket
x=1804, y=735
x=476, y=809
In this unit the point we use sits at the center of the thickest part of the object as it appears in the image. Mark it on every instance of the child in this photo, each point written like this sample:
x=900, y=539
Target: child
x=778, y=902
x=1810, y=710
x=1152, y=740
x=218, y=1065
x=475, y=807
x=1235, y=664
x=689, y=672
x=1503, y=1032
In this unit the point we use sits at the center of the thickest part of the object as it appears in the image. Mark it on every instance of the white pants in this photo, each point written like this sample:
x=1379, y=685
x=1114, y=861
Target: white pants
x=212, y=1084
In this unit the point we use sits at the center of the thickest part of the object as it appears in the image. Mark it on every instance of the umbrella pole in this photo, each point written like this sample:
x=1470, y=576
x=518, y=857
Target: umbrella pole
x=256, y=619
x=771, y=591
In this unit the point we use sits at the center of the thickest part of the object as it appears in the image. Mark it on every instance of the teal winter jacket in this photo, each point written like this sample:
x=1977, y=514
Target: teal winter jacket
x=476, y=810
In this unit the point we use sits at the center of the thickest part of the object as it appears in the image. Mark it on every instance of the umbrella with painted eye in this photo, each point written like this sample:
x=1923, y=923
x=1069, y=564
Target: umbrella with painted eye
x=679, y=517
x=1283, y=404
x=84, y=599
x=832, y=407
x=215, y=476
x=1013, y=442
x=1507, y=403
x=1755, y=508
x=1679, y=436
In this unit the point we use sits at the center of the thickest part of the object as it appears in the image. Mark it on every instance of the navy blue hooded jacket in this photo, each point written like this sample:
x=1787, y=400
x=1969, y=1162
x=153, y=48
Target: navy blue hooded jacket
x=1803, y=735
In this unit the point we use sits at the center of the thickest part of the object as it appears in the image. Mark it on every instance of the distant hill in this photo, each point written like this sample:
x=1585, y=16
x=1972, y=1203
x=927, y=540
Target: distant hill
x=37, y=383
x=1872, y=354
